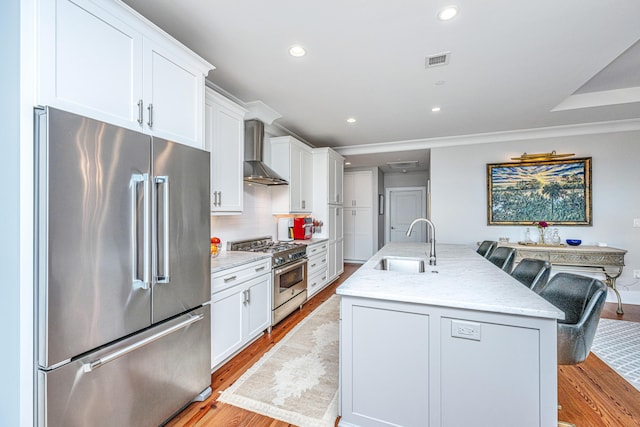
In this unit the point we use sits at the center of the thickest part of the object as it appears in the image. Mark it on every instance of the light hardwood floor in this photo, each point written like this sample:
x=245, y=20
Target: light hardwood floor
x=591, y=394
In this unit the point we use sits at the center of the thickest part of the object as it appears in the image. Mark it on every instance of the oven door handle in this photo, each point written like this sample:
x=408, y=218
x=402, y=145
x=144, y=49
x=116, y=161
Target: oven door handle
x=290, y=267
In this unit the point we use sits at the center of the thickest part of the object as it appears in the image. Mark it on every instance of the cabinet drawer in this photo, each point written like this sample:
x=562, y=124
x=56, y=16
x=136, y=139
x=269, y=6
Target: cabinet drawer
x=317, y=249
x=316, y=282
x=232, y=276
x=316, y=264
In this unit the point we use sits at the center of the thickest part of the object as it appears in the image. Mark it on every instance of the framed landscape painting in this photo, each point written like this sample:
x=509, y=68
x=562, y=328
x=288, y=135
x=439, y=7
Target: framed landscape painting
x=555, y=191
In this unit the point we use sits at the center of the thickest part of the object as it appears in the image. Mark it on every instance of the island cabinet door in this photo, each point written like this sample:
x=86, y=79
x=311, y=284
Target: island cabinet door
x=384, y=366
x=486, y=363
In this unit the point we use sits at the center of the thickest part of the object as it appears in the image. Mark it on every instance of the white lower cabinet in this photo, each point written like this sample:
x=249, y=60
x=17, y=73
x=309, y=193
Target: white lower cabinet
x=317, y=267
x=458, y=368
x=240, y=309
x=335, y=265
x=358, y=234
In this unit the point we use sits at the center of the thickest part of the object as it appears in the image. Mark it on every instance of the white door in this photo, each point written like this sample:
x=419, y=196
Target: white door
x=89, y=62
x=173, y=96
x=227, y=311
x=258, y=305
x=404, y=205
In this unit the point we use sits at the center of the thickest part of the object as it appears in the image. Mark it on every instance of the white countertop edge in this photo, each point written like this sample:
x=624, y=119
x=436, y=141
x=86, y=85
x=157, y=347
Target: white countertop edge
x=454, y=287
x=230, y=259
x=466, y=305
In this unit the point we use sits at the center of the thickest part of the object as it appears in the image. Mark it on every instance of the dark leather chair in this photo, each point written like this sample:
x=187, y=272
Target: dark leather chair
x=503, y=257
x=581, y=299
x=534, y=273
x=486, y=247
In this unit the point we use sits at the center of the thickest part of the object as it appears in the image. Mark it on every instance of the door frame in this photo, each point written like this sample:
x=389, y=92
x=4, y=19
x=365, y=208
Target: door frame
x=387, y=207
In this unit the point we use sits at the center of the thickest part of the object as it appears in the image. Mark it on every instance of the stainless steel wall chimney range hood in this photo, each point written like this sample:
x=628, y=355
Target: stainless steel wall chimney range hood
x=255, y=170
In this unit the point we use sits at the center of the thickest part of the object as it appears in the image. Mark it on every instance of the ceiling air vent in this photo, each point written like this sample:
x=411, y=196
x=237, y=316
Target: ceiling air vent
x=410, y=164
x=437, y=60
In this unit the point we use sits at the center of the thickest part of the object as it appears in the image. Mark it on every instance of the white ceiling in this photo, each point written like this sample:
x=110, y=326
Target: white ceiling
x=513, y=66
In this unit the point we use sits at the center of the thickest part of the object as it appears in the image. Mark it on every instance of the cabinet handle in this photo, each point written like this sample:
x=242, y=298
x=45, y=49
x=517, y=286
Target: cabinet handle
x=303, y=204
x=260, y=268
x=217, y=198
x=230, y=279
x=140, y=112
x=353, y=203
x=248, y=291
x=150, y=122
x=313, y=265
x=324, y=260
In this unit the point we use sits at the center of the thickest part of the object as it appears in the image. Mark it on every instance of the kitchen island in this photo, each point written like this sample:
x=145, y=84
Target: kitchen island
x=460, y=344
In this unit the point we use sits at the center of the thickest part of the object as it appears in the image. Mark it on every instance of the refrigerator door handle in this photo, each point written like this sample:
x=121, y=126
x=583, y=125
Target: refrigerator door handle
x=95, y=364
x=165, y=277
x=137, y=282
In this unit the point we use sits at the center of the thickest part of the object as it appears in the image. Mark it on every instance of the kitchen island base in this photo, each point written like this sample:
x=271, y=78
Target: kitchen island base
x=419, y=365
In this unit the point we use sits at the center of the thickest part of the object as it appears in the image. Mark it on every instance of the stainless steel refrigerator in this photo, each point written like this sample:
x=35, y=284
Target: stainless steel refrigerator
x=122, y=276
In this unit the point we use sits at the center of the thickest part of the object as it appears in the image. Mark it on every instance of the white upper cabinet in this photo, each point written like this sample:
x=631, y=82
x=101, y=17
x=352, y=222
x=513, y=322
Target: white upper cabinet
x=336, y=171
x=173, y=91
x=358, y=189
x=293, y=161
x=101, y=59
x=224, y=125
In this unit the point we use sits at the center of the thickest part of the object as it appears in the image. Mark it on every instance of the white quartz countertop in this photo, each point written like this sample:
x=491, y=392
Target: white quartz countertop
x=229, y=259
x=461, y=279
x=312, y=240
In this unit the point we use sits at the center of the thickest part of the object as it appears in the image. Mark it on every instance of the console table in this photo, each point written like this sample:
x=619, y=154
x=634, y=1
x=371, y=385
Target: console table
x=609, y=261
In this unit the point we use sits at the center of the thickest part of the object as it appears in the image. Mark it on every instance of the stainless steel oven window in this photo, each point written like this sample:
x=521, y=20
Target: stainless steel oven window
x=290, y=275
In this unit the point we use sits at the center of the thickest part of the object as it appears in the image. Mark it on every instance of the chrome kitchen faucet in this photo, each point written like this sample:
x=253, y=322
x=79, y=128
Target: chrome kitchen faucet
x=432, y=238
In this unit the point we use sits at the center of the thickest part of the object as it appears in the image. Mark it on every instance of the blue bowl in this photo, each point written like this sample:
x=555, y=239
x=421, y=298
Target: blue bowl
x=573, y=242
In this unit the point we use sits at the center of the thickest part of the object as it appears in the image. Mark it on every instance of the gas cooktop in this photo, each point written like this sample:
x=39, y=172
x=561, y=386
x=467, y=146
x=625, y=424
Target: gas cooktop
x=282, y=252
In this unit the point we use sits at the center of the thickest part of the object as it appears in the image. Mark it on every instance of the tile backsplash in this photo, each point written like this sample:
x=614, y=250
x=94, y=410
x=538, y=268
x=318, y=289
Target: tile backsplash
x=255, y=221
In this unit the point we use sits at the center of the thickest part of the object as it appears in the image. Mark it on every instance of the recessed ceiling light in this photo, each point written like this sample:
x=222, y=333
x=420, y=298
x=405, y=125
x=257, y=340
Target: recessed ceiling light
x=440, y=82
x=435, y=109
x=297, y=50
x=351, y=120
x=347, y=163
x=448, y=13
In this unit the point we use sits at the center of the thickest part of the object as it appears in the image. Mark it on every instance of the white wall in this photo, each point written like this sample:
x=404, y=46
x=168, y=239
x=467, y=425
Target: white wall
x=10, y=214
x=16, y=218
x=409, y=179
x=459, y=193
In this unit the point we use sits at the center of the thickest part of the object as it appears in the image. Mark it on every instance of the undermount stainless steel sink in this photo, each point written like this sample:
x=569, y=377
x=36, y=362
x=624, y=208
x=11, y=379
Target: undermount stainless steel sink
x=401, y=264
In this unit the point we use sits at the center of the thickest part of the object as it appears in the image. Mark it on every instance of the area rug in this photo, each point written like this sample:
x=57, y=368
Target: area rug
x=617, y=343
x=297, y=380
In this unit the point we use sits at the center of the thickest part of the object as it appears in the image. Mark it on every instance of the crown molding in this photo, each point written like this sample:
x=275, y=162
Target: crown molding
x=488, y=138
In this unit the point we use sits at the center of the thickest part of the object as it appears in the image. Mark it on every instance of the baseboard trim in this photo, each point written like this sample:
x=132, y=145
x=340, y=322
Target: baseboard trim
x=628, y=297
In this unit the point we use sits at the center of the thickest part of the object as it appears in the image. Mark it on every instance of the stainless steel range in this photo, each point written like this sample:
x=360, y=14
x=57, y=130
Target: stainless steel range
x=289, y=272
